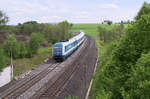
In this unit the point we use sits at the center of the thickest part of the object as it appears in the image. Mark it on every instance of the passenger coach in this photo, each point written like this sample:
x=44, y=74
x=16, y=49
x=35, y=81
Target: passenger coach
x=62, y=50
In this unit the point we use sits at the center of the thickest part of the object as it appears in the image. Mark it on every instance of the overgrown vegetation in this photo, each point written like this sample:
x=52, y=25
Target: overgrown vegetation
x=25, y=64
x=108, y=35
x=24, y=40
x=34, y=43
x=2, y=59
x=123, y=71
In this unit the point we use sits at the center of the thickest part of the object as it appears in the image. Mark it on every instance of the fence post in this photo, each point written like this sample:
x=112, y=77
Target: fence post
x=11, y=66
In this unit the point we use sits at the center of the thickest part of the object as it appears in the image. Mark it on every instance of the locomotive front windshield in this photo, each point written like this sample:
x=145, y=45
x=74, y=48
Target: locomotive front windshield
x=57, y=49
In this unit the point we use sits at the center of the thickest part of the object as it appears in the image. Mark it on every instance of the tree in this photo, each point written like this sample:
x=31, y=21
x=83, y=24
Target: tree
x=3, y=18
x=139, y=83
x=22, y=49
x=109, y=22
x=110, y=35
x=34, y=43
x=2, y=59
x=64, y=29
x=145, y=10
x=102, y=33
x=71, y=25
x=11, y=46
x=125, y=74
x=30, y=22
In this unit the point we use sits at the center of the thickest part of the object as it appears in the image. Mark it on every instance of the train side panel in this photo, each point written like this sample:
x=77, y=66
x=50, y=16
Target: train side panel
x=62, y=50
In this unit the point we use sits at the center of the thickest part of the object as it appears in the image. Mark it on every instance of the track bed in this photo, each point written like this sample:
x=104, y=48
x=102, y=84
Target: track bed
x=57, y=80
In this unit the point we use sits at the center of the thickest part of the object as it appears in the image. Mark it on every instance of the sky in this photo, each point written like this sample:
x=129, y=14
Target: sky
x=74, y=11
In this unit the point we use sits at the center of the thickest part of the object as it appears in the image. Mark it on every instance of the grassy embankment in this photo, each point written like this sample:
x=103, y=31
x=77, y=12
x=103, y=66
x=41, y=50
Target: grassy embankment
x=26, y=64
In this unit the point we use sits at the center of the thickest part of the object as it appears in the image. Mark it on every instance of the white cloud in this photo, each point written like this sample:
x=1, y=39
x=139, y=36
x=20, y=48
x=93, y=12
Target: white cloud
x=80, y=15
x=20, y=11
x=109, y=6
x=45, y=19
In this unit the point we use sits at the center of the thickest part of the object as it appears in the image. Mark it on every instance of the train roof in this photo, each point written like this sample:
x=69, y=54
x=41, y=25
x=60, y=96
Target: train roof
x=70, y=40
x=57, y=44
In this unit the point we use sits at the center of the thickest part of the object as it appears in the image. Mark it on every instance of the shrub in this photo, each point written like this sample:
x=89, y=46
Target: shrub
x=34, y=43
x=110, y=35
x=2, y=59
x=138, y=85
x=11, y=46
x=22, y=50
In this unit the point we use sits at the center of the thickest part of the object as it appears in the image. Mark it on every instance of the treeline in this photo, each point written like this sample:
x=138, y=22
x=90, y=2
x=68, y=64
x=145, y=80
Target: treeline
x=23, y=40
x=51, y=32
x=125, y=68
x=109, y=22
x=107, y=35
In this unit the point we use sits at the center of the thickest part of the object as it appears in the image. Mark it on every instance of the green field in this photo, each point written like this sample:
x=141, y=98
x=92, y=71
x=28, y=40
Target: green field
x=88, y=28
x=92, y=29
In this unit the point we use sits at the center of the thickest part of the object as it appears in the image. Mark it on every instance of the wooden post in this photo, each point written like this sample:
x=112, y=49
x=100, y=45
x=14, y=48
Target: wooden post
x=11, y=66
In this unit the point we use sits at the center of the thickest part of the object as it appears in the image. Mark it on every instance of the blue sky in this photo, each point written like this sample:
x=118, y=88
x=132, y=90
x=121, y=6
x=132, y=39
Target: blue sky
x=75, y=11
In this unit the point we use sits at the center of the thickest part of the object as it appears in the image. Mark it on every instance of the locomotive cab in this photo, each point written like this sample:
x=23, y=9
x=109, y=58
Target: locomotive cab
x=58, y=51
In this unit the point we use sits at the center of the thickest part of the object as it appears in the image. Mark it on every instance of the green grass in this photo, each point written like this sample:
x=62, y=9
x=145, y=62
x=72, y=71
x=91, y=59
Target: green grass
x=26, y=64
x=91, y=29
x=88, y=28
x=44, y=50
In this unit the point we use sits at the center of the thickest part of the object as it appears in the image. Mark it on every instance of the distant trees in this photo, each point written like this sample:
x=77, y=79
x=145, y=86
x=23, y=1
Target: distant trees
x=124, y=22
x=28, y=28
x=52, y=33
x=36, y=33
x=64, y=29
x=107, y=35
x=30, y=22
x=107, y=22
x=58, y=32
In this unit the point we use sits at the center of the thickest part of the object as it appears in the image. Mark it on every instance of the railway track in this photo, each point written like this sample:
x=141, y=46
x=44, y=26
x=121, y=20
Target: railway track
x=78, y=83
x=25, y=84
x=53, y=90
x=21, y=88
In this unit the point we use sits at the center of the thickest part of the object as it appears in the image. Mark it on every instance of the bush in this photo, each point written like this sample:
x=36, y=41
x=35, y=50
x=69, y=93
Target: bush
x=34, y=43
x=2, y=59
x=18, y=49
x=110, y=35
x=124, y=57
x=138, y=85
x=11, y=46
x=101, y=81
x=22, y=49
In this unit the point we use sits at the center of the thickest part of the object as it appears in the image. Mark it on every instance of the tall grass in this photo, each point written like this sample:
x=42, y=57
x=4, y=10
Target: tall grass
x=26, y=64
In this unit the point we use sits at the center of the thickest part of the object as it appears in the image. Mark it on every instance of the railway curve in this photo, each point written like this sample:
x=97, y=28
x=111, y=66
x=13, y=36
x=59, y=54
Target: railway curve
x=57, y=80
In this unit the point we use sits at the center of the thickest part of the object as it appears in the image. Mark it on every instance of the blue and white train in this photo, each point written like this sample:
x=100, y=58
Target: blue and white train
x=62, y=50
